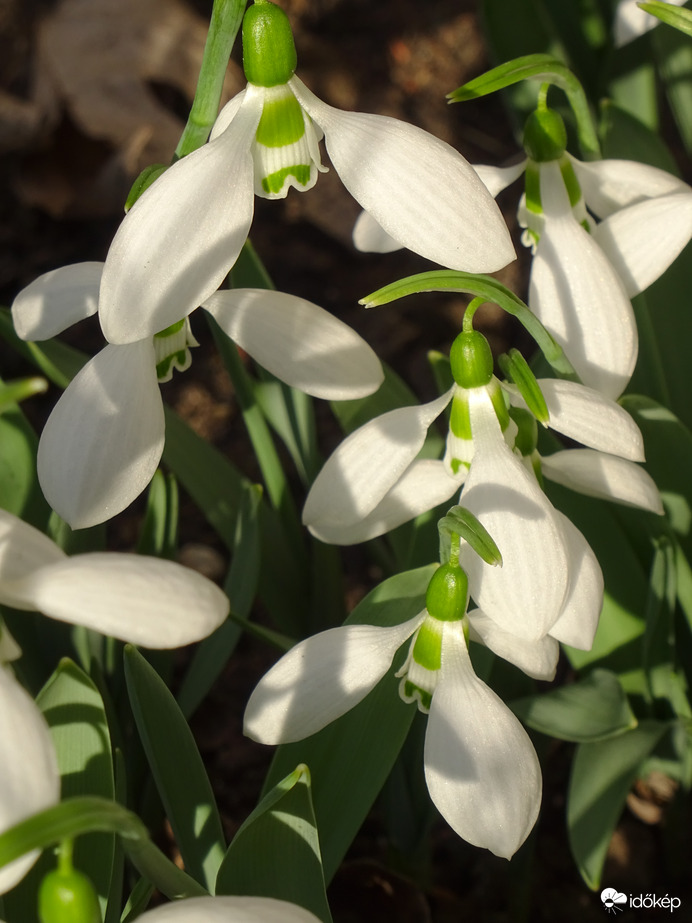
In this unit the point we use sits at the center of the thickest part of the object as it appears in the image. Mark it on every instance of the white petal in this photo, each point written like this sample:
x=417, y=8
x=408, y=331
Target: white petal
x=607, y=477
x=367, y=464
x=227, y=114
x=103, y=441
x=577, y=294
x=495, y=179
x=229, y=910
x=29, y=778
x=369, y=237
x=609, y=185
x=22, y=550
x=536, y=658
x=525, y=595
x=631, y=21
x=582, y=414
x=419, y=189
x=423, y=486
x=299, y=342
x=181, y=238
x=136, y=598
x=579, y=619
x=321, y=679
x=480, y=766
x=642, y=241
x=56, y=300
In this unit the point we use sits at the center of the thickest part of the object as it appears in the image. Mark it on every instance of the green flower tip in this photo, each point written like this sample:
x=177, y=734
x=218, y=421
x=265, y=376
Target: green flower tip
x=471, y=360
x=68, y=897
x=448, y=592
x=545, y=137
x=269, y=52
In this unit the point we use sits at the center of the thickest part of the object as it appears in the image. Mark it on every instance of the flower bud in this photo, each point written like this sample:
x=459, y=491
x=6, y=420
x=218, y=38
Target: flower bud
x=545, y=137
x=269, y=52
x=68, y=896
x=471, y=360
x=448, y=593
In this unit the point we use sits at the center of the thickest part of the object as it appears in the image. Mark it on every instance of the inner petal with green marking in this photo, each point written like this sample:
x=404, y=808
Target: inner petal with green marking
x=286, y=147
x=172, y=349
x=420, y=672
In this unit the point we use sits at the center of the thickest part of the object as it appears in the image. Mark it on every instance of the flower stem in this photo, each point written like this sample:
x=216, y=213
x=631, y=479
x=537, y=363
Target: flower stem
x=226, y=19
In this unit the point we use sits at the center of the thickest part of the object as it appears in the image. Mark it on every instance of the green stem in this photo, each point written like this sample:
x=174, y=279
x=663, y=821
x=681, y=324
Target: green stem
x=226, y=19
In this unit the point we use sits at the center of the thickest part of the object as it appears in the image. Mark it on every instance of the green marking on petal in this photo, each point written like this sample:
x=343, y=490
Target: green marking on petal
x=460, y=421
x=172, y=349
x=281, y=122
x=274, y=183
x=170, y=331
x=427, y=648
x=409, y=692
x=532, y=188
x=571, y=182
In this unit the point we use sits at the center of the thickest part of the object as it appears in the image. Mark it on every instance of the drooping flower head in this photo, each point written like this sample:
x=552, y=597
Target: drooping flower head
x=480, y=766
x=181, y=238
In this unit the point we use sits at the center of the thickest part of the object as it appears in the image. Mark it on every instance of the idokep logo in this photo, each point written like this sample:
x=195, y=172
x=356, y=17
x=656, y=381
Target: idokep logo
x=614, y=901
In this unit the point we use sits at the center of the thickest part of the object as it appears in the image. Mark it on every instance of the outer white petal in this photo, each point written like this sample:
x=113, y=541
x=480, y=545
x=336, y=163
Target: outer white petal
x=103, y=441
x=526, y=594
x=419, y=189
x=299, y=342
x=480, y=766
x=370, y=237
x=536, y=658
x=22, y=550
x=56, y=300
x=423, y=486
x=631, y=21
x=495, y=179
x=582, y=414
x=321, y=679
x=180, y=239
x=227, y=114
x=367, y=464
x=577, y=294
x=29, y=777
x=136, y=598
x=229, y=910
x=597, y=474
x=579, y=619
x=642, y=241
x=609, y=185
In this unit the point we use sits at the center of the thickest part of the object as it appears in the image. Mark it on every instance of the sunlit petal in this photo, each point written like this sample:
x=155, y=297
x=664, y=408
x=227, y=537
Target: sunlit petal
x=597, y=474
x=103, y=441
x=609, y=185
x=368, y=463
x=419, y=190
x=495, y=179
x=480, y=766
x=536, y=658
x=22, y=550
x=299, y=342
x=229, y=910
x=584, y=600
x=56, y=300
x=321, y=679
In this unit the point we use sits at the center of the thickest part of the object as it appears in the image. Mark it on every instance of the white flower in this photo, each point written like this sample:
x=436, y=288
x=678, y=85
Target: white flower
x=104, y=439
x=229, y=910
x=29, y=777
x=480, y=766
x=181, y=238
x=631, y=21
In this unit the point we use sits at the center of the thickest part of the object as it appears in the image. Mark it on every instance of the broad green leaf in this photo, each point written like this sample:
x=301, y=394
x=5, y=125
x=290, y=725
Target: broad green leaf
x=594, y=708
x=602, y=774
x=276, y=852
x=19, y=489
x=673, y=55
x=159, y=531
x=350, y=759
x=177, y=768
x=74, y=710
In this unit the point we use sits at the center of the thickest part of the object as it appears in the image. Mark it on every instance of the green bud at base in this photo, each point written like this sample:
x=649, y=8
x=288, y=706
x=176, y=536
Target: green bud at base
x=448, y=593
x=68, y=896
x=545, y=137
x=269, y=52
x=471, y=360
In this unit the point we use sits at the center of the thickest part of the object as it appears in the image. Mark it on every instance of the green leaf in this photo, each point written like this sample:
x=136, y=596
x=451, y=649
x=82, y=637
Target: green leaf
x=463, y=523
x=602, y=774
x=177, y=768
x=74, y=710
x=159, y=530
x=671, y=15
x=595, y=708
x=673, y=54
x=276, y=852
x=624, y=136
x=351, y=758
x=13, y=392
x=19, y=489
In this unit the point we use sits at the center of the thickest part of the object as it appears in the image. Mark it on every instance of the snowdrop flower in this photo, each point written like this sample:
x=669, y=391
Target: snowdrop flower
x=229, y=910
x=480, y=766
x=29, y=776
x=181, y=238
x=584, y=273
x=104, y=439
x=631, y=21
